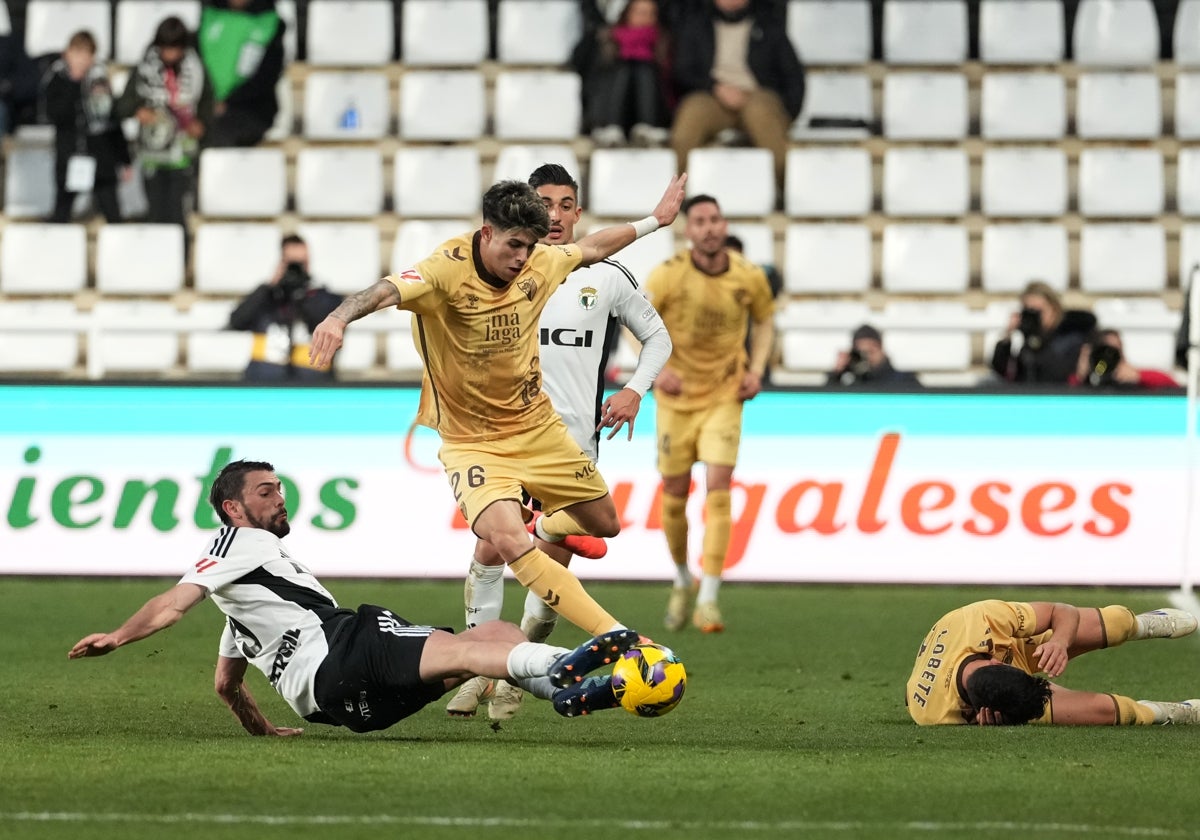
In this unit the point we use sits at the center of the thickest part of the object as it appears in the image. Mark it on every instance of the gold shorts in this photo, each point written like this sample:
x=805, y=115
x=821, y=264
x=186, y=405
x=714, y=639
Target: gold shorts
x=710, y=434
x=546, y=462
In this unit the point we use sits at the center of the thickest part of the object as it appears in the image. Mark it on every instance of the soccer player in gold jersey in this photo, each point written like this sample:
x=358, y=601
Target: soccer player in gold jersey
x=704, y=295
x=979, y=665
x=476, y=300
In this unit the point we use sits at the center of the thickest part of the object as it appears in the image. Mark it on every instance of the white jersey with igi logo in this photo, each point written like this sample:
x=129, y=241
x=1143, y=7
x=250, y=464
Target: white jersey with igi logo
x=575, y=331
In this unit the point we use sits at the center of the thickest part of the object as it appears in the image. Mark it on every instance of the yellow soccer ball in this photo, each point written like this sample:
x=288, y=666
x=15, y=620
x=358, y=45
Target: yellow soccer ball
x=649, y=680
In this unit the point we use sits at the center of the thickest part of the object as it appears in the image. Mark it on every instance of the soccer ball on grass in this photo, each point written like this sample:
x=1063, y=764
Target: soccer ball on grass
x=649, y=680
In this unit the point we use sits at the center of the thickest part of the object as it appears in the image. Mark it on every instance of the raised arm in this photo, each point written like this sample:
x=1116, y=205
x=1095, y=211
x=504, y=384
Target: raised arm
x=607, y=241
x=230, y=687
x=327, y=337
x=1063, y=619
x=158, y=613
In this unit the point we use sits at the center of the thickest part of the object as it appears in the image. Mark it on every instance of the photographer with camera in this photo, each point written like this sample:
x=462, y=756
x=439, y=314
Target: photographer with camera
x=866, y=363
x=282, y=314
x=1102, y=364
x=1043, y=340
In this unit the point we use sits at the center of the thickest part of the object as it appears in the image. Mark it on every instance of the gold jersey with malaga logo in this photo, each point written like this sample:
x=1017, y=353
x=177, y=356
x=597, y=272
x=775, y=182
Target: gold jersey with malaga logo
x=706, y=316
x=478, y=338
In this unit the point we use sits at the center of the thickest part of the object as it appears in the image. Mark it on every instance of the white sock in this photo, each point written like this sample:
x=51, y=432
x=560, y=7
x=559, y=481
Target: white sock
x=683, y=577
x=532, y=659
x=483, y=593
x=709, y=586
x=539, y=609
x=539, y=687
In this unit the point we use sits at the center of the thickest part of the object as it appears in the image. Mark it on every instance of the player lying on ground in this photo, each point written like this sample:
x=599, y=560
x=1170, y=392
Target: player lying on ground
x=979, y=664
x=364, y=670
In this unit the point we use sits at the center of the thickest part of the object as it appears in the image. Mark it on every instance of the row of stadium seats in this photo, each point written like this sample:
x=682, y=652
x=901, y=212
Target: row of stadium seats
x=458, y=32
x=819, y=258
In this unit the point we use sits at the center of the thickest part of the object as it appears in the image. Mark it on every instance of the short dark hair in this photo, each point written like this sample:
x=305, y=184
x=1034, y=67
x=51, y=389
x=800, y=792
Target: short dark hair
x=172, y=32
x=735, y=242
x=553, y=174
x=1017, y=696
x=515, y=205
x=82, y=39
x=292, y=239
x=702, y=198
x=230, y=483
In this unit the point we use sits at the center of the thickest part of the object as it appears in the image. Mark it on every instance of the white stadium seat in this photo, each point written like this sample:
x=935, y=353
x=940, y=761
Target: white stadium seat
x=1021, y=31
x=1121, y=182
x=1118, y=106
x=742, y=180
x=812, y=332
x=401, y=356
x=536, y=105
x=925, y=106
x=1189, y=254
x=285, y=117
x=647, y=253
x=558, y=26
x=1116, y=33
x=359, y=352
x=135, y=336
x=1122, y=257
x=5, y=21
x=924, y=181
x=1024, y=181
x=828, y=181
x=927, y=335
x=345, y=257
x=291, y=33
x=1187, y=189
x=52, y=346
x=515, y=162
x=345, y=106
x=416, y=239
x=29, y=182
x=38, y=259
x=838, y=96
x=436, y=181
x=827, y=258
x=925, y=32
x=1147, y=328
x=232, y=258
x=627, y=183
x=442, y=105
x=350, y=33
x=830, y=33
x=242, y=183
x=1014, y=254
x=1023, y=106
x=49, y=24
x=1186, y=37
x=137, y=21
x=339, y=182
x=925, y=258
x=218, y=351
x=1187, y=106
x=139, y=259
x=209, y=314
x=444, y=33
x=758, y=241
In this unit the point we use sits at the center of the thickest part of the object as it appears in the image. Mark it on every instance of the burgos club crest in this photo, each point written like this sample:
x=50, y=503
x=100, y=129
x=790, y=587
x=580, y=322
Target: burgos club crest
x=587, y=297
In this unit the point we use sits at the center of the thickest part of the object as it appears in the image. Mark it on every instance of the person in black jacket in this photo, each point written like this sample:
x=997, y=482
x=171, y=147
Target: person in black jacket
x=282, y=313
x=1050, y=339
x=90, y=152
x=18, y=82
x=866, y=364
x=241, y=43
x=734, y=68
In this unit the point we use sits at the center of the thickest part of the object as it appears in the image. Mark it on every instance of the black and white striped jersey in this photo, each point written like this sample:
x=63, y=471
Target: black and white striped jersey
x=575, y=332
x=274, y=609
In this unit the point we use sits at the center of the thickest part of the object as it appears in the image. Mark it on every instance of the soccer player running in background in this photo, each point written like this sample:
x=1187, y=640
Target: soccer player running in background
x=577, y=329
x=704, y=295
x=364, y=669
x=477, y=299
x=978, y=664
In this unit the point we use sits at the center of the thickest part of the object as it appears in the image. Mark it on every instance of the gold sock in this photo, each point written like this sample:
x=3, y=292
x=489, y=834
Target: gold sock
x=1130, y=712
x=716, y=531
x=675, y=527
x=561, y=524
x=1119, y=623
x=561, y=590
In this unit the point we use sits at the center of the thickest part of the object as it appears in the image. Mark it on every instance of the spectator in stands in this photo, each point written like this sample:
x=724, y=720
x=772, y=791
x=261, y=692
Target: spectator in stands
x=170, y=95
x=1049, y=339
x=738, y=71
x=241, y=42
x=624, y=68
x=282, y=313
x=1102, y=364
x=90, y=152
x=18, y=82
x=865, y=363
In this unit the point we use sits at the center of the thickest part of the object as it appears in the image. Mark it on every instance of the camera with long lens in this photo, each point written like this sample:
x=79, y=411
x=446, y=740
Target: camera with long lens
x=1030, y=326
x=857, y=367
x=295, y=280
x=1103, y=365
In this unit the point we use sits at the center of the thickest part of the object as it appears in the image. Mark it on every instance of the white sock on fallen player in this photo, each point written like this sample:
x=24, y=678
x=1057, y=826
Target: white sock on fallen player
x=710, y=585
x=483, y=593
x=539, y=687
x=532, y=659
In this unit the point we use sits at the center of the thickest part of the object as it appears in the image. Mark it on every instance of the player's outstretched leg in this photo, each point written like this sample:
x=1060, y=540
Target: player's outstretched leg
x=583, y=698
x=572, y=667
x=584, y=545
x=1187, y=712
x=1165, y=623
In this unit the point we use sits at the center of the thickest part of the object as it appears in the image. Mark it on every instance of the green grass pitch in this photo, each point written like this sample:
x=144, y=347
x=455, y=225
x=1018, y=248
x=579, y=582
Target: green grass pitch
x=792, y=726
